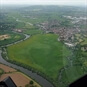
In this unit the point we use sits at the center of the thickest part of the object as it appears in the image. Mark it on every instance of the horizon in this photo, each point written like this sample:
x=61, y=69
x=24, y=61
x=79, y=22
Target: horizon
x=49, y=2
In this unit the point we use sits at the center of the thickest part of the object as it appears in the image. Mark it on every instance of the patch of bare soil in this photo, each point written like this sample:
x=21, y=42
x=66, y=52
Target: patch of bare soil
x=6, y=68
x=6, y=36
x=19, y=78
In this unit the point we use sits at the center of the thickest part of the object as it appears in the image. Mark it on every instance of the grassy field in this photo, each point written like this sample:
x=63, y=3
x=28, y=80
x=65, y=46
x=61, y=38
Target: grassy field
x=33, y=31
x=42, y=52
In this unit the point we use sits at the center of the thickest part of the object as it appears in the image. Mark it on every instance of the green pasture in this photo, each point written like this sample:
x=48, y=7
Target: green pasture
x=33, y=31
x=41, y=52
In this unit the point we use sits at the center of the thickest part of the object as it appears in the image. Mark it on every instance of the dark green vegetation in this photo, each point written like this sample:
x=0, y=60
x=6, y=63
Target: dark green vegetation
x=42, y=52
x=1, y=71
x=30, y=84
x=12, y=37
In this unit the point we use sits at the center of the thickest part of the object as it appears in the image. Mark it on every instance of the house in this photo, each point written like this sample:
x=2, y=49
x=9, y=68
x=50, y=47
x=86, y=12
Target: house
x=7, y=82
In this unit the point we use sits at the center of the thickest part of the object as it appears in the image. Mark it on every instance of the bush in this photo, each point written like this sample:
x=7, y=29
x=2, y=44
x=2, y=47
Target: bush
x=31, y=82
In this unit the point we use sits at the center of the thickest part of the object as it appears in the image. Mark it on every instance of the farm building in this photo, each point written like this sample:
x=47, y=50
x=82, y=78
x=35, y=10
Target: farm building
x=7, y=82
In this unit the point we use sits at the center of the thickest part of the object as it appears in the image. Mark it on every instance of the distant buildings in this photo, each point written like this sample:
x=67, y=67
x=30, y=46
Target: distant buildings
x=18, y=30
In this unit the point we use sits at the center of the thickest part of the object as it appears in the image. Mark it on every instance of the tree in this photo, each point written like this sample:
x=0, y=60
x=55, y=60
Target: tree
x=31, y=82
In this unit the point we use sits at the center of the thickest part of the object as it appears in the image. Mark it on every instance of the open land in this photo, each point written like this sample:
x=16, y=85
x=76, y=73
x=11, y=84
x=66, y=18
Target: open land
x=42, y=52
x=19, y=78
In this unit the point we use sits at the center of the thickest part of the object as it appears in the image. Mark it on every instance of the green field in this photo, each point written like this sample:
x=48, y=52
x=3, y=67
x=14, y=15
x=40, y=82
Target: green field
x=42, y=52
x=33, y=31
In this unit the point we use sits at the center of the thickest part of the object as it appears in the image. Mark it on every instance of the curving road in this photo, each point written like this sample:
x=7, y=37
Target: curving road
x=42, y=81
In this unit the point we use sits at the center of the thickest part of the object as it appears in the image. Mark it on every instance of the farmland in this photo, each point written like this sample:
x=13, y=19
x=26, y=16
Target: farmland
x=34, y=31
x=41, y=52
x=19, y=78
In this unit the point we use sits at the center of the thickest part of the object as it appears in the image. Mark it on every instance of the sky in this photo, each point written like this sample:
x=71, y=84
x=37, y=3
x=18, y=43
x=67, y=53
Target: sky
x=45, y=2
